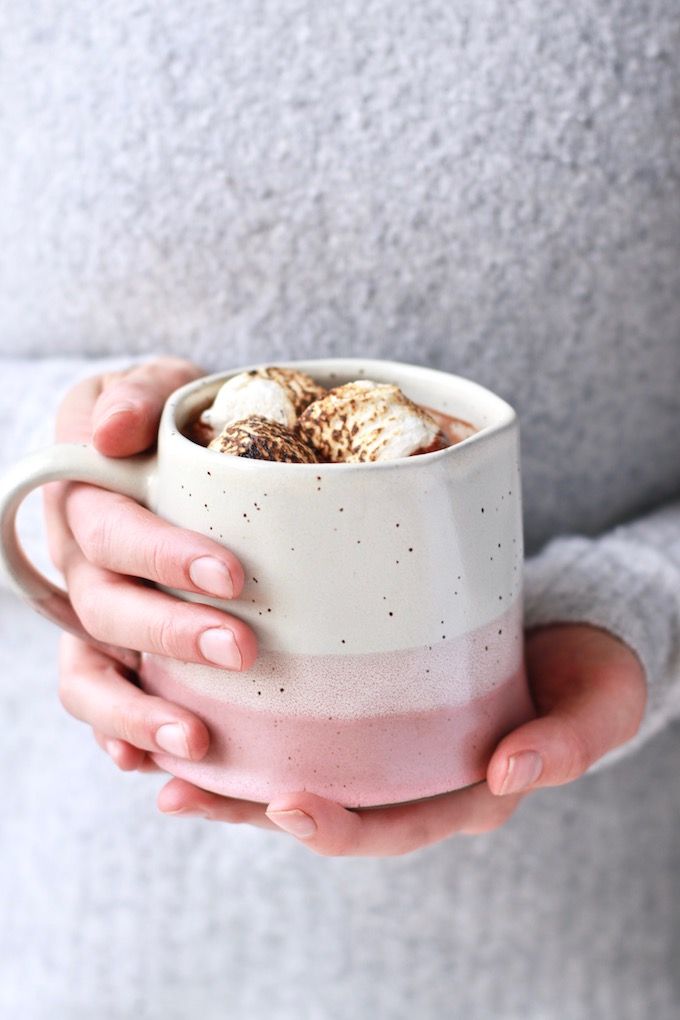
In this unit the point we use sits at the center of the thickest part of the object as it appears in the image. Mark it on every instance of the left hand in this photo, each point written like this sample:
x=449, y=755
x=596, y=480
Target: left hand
x=589, y=690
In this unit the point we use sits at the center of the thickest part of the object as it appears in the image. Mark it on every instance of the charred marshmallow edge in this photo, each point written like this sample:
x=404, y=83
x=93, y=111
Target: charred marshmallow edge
x=367, y=421
x=279, y=394
x=258, y=438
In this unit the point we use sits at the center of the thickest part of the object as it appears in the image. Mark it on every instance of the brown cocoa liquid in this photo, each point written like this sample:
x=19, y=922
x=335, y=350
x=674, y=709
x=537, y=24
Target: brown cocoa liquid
x=452, y=430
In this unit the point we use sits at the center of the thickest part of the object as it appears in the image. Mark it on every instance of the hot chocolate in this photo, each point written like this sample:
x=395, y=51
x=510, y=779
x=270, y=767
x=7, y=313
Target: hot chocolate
x=283, y=415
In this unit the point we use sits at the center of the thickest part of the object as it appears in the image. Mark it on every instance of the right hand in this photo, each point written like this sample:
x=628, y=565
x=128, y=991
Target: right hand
x=107, y=547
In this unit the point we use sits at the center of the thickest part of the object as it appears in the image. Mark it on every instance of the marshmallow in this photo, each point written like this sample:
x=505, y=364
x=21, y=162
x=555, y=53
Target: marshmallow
x=259, y=438
x=367, y=421
x=279, y=394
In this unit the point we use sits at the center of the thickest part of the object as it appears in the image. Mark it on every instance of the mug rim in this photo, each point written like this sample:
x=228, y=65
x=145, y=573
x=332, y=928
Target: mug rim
x=506, y=414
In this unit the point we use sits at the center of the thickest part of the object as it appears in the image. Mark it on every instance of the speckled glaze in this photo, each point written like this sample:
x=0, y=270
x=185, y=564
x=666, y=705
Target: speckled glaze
x=386, y=598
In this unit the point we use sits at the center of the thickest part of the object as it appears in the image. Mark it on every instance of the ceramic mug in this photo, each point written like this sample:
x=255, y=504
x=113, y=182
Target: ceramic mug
x=386, y=597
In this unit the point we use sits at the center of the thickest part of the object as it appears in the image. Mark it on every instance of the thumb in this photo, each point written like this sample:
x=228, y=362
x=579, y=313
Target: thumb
x=589, y=690
x=127, y=411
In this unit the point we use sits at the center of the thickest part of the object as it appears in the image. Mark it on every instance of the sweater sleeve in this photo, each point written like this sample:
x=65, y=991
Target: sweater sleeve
x=34, y=389
x=626, y=581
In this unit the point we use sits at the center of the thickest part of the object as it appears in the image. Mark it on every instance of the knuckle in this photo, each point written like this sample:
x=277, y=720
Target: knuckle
x=95, y=533
x=94, y=537
x=159, y=556
x=128, y=723
x=89, y=612
x=167, y=637
x=98, y=533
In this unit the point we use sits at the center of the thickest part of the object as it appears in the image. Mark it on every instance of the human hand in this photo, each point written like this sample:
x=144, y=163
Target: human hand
x=107, y=546
x=589, y=691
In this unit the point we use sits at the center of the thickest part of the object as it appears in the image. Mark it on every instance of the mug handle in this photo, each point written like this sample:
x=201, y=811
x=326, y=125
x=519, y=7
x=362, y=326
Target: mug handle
x=130, y=476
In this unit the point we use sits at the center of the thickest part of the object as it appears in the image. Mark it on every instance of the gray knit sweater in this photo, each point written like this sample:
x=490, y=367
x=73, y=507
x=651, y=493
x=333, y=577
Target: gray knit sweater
x=485, y=187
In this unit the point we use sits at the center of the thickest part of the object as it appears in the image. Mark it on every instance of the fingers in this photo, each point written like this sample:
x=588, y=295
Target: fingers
x=126, y=412
x=590, y=693
x=118, y=611
x=331, y=830
x=133, y=400
x=74, y=417
x=92, y=688
x=126, y=757
x=137, y=394
x=179, y=797
x=119, y=535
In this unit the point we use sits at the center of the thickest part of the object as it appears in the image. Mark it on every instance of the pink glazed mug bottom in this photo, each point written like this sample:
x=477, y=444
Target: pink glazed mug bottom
x=370, y=761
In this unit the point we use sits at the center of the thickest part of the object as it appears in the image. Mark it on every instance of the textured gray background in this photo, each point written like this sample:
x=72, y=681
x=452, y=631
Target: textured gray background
x=490, y=188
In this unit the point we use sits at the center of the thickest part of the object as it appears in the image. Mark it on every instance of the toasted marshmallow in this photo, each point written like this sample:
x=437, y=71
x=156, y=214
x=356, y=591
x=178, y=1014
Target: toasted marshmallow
x=366, y=421
x=262, y=439
x=279, y=394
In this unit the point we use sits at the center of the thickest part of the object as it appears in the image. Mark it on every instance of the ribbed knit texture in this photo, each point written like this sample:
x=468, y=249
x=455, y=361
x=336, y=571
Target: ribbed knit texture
x=488, y=188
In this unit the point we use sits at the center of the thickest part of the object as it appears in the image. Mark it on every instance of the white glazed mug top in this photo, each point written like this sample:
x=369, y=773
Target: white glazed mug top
x=356, y=558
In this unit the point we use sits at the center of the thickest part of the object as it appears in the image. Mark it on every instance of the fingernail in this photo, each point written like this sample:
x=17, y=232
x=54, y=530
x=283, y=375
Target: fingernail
x=219, y=646
x=297, y=823
x=212, y=576
x=172, y=738
x=523, y=770
x=119, y=408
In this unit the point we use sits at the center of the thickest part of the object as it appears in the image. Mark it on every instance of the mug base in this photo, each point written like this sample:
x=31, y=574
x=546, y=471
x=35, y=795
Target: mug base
x=367, y=762
x=417, y=800
x=218, y=782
